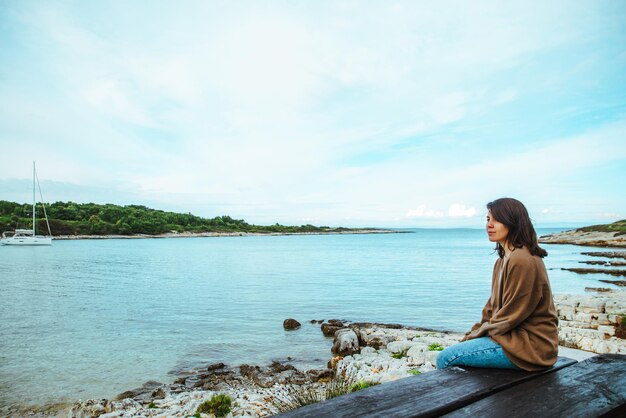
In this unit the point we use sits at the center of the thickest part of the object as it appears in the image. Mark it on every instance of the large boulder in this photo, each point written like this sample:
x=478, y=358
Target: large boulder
x=214, y=377
x=142, y=393
x=215, y=366
x=323, y=375
x=275, y=373
x=346, y=342
x=291, y=324
x=329, y=328
x=332, y=363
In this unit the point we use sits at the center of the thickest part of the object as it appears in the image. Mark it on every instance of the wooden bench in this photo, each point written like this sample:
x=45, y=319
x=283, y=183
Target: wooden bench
x=594, y=387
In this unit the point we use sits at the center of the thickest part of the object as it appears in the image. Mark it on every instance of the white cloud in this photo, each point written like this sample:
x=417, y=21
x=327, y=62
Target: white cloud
x=321, y=111
x=422, y=212
x=110, y=97
x=506, y=96
x=551, y=212
x=614, y=216
x=458, y=210
x=556, y=158
x=449, y=108
x=267, y=60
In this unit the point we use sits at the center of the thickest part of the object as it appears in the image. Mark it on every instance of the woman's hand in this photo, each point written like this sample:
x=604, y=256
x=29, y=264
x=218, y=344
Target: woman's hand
x=475, y=333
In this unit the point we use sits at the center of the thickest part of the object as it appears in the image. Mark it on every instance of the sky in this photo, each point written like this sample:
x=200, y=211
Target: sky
x=353, y=113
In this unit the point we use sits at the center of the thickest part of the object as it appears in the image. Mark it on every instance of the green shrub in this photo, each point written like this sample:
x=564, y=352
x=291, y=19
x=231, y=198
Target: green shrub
x=400, y=354
x=362, y=384
x=435, y=347
x=151, y=405
x=219, y=405
x=415, y=372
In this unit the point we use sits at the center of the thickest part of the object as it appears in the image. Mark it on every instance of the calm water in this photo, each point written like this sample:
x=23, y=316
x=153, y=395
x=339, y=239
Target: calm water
x=90, y=319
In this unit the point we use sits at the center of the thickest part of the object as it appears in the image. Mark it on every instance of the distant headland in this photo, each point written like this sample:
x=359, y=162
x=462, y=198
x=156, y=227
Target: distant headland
x=70, y=220
x=607, y=235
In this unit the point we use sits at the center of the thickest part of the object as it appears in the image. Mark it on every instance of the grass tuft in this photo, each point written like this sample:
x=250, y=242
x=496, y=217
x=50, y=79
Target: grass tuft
x=435, y=347
x=296, y=396
x=362, y=384
x=400, y=354
x=218, y=405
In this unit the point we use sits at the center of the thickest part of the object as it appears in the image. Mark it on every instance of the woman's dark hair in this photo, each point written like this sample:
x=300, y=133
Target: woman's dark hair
x=513, y=214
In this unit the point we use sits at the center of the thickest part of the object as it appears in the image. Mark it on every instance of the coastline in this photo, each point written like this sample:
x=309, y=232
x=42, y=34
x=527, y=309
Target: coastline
x=227, y=234
x=586, y=238
x=261, y=390
x=373, y=353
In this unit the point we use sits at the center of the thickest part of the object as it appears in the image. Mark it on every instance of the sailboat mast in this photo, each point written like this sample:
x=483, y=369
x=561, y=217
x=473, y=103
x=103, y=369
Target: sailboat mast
x=34, y=199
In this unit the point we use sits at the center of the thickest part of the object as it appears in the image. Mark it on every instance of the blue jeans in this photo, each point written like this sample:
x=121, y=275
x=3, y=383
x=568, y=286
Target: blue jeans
x=479, y=352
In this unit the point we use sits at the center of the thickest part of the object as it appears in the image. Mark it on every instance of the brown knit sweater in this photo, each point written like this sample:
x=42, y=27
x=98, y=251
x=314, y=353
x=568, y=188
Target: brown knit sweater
x=520, y=314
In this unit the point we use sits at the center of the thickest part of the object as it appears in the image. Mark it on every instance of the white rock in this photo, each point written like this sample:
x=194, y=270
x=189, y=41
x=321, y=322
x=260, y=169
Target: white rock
x=399, y=346
x=431, y=356
x=583, y=317
x=368, y=350
x=417, y=349
x=591, y=305
x=607, y=330
x=345, y=342
x=602, y=319
x=616, y=305
x=601, y=348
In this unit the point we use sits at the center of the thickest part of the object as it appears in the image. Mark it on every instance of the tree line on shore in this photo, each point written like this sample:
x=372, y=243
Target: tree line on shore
x=70, y=218
x=618, y=227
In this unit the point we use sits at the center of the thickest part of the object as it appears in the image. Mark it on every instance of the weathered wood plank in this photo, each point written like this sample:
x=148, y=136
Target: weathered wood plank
x=592, y=388
x=429, y=395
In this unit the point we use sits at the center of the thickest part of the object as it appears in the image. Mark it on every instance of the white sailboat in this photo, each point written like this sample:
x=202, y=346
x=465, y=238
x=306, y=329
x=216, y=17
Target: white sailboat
x=29, y=236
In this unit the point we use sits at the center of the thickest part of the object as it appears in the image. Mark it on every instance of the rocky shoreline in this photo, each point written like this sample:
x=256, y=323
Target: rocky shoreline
x=229, y=234
x=613, y=272
x=595, y=323
x=586, y=238
x=362, y=354
x=609, y=267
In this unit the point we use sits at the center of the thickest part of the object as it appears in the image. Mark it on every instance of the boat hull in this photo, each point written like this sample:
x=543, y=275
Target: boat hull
x=25, y=241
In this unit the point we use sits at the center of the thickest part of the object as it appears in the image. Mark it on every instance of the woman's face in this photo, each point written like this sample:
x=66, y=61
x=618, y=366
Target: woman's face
x=497, y=231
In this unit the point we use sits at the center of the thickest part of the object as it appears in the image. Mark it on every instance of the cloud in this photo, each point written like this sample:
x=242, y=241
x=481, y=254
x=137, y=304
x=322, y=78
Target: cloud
x=551, y=211
x=322, y=111
x=460, y=211
x=506, y=96
x=615, y=216
x=110, y=97
x=556, y=158
x=449, y=108
x=456, y=210
x=422, y=212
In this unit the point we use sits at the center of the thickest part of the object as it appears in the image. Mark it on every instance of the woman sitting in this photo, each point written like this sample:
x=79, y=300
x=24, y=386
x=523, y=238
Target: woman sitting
x=518, y=328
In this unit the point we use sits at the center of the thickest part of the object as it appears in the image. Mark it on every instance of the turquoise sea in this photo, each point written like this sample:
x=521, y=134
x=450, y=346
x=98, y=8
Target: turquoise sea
x=92, y=318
